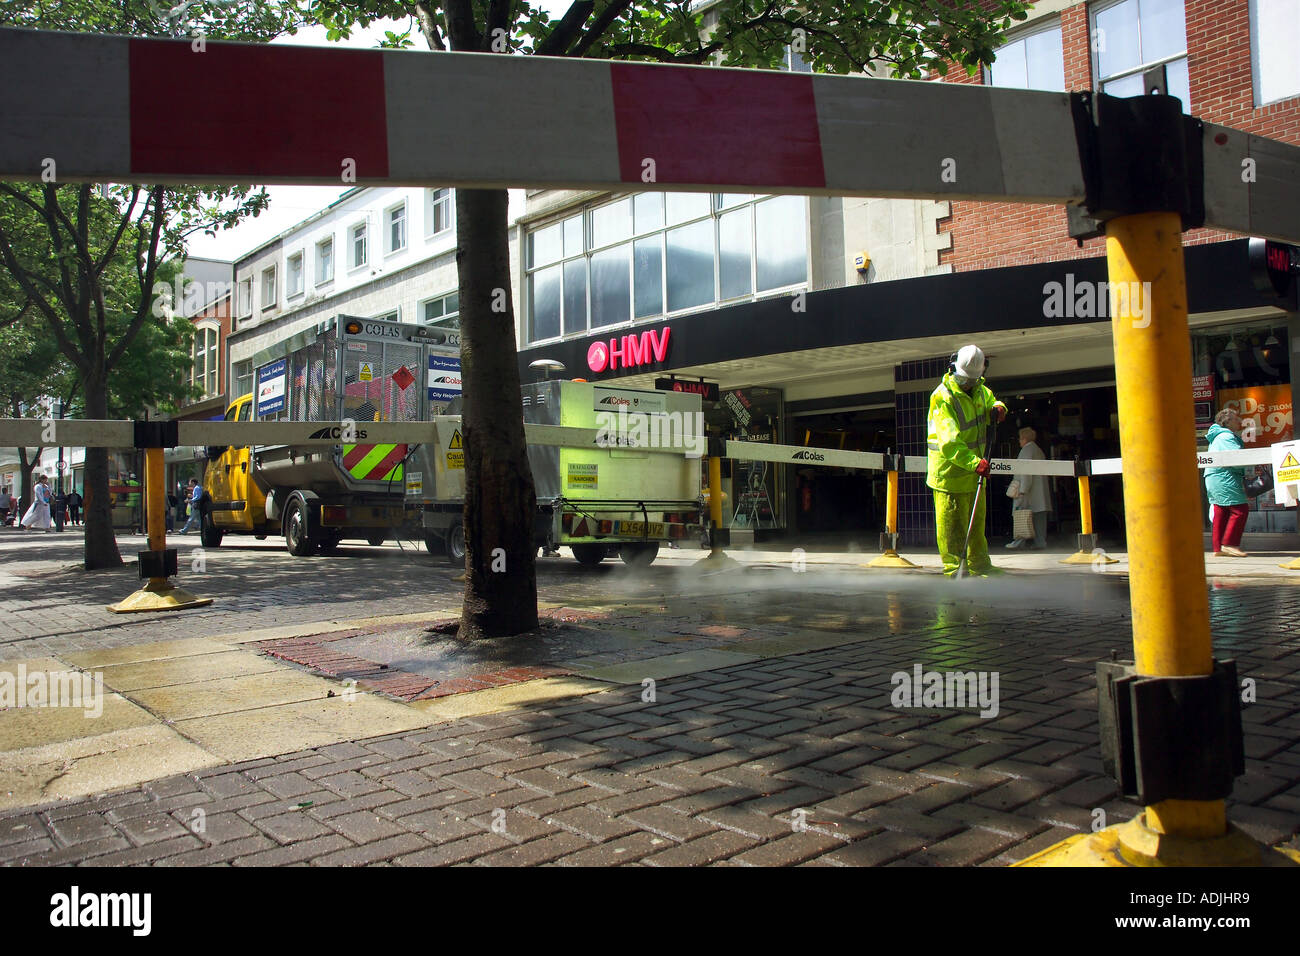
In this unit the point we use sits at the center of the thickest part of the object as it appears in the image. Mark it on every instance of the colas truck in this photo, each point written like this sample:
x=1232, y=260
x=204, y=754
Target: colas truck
x=609, y=494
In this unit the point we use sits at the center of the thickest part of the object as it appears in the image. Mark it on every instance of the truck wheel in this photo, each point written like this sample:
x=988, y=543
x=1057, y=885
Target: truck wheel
x=455, y=544
x=297, y=535
x=209, y=534
x=376, y=539
x=589, y=554
x=638, y=555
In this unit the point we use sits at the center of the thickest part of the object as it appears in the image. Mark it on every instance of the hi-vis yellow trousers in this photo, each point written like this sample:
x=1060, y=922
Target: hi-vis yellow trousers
x=952, y=516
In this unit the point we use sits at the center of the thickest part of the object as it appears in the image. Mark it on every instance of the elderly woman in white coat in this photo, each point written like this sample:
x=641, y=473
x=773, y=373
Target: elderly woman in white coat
x=1035, y=493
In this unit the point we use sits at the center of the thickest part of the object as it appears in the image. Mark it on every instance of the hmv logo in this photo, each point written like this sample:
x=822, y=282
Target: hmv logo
x=628, y=352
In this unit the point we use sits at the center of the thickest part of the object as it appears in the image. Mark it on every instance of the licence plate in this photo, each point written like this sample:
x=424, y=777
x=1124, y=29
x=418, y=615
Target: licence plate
x=638, y=529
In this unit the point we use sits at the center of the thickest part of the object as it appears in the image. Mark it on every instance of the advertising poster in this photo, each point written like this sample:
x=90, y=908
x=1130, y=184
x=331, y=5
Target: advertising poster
x=271, y=388
x=1265, y=413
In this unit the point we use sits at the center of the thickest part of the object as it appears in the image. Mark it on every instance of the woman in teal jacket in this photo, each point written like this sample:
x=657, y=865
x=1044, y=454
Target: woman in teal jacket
x=1227, y=487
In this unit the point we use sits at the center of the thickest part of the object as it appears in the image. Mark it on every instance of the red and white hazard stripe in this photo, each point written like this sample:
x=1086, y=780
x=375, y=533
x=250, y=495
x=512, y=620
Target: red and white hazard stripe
x=85, y=107
x=160, y=110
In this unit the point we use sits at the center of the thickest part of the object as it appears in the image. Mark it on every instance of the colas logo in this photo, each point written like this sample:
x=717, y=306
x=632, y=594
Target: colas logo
x=614, y=400
x=807, y=456
x=335, y=432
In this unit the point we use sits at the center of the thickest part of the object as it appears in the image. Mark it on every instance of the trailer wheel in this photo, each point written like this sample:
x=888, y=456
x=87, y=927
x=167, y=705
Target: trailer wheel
x=589, y=554
x=376, y=538
x=297, y=534
x=209, y=534
x=638, y=555
x=455, y=543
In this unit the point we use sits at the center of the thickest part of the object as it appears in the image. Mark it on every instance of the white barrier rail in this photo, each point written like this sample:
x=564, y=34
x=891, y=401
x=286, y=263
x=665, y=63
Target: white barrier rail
x=78, y=433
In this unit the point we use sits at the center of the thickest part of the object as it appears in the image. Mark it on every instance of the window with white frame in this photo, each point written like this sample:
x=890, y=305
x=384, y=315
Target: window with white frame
x=293, y=276
x=358, y=251
x=395, y=228
x=389, y=316
x=243, y=375
x=245, y=297
x=203, y=373
x=1274, y=42
x=1132, y=36
x=1031, y=60
x=443, y=312
x=268, y=288
x=437, y=211
x=642, y=257
x=325, y=261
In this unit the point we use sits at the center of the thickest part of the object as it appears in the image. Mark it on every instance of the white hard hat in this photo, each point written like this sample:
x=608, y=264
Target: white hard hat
x=969, y=362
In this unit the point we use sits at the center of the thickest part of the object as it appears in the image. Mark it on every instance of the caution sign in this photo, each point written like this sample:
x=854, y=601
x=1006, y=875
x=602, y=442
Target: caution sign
x=583, y=476
x=1286, y=472
x=367, y=373
x=456, y=451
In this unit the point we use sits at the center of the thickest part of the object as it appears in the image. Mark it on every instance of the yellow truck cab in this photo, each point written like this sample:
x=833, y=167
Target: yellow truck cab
x=236, y=503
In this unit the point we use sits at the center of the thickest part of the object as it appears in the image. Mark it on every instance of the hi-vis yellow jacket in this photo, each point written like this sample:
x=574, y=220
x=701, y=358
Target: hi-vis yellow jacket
x=958, y=431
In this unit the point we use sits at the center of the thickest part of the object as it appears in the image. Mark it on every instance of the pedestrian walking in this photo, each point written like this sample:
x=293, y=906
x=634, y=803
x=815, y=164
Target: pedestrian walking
x=74, y=506
x=958, y=423
x=195, y=497
x=181, y=502
x=38, y=515
x=1226, y=487
x=6, y=505
x=1033, y=493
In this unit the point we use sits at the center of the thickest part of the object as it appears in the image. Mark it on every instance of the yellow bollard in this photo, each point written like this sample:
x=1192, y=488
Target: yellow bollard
x=1167, y=587
x=716, y=557
x=159, y=594
x=1088, y=552
x=889, y=557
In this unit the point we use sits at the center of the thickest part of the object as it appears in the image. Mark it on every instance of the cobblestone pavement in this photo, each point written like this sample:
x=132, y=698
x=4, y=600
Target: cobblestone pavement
x=795, y=757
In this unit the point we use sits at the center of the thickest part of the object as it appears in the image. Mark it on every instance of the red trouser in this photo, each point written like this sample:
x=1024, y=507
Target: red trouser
x=1229, y=523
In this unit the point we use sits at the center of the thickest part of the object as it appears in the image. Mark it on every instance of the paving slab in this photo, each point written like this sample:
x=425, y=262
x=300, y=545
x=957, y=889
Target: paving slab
x=228, y=695
x=138, y=653
x=86, y=765
x=669, y=665
x=286, y=728
x=23, y=728
x=496, y=699
x=186, y=670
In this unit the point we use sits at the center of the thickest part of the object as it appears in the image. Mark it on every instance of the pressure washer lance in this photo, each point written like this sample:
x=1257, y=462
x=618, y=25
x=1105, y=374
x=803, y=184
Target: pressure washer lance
x=979, y=490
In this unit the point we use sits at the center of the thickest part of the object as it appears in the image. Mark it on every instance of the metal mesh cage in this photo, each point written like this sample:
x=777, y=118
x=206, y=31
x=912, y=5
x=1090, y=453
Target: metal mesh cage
x=382, y=383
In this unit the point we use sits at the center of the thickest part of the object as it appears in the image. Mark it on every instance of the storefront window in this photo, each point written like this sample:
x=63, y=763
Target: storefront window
x=1247, y=367
x=654, y=254
x=754, y=490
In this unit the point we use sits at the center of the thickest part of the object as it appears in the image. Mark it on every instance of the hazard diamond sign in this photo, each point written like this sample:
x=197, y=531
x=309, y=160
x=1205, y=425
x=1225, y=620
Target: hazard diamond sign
x=403, y=378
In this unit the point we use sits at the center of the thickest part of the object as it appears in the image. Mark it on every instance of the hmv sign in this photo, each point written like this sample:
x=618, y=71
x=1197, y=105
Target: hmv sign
x=630, y=351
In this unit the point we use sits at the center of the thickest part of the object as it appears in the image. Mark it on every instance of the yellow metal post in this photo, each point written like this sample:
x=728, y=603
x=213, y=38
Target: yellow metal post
x=159, y=594
x=889, y=557
x=716, y=556
x=1167, y=588
x=1088, y=553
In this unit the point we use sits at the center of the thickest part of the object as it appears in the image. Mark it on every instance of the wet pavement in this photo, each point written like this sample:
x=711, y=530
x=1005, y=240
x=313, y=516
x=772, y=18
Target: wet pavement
x=668, y=717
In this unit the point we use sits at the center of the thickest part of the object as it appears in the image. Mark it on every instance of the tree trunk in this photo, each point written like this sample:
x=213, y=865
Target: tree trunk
x=500, y=502
x=25, y=480
x=97, y=506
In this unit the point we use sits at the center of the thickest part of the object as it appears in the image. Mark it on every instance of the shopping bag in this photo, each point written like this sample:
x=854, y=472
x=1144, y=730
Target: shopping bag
x=1013, y=489
x=1022, y=523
